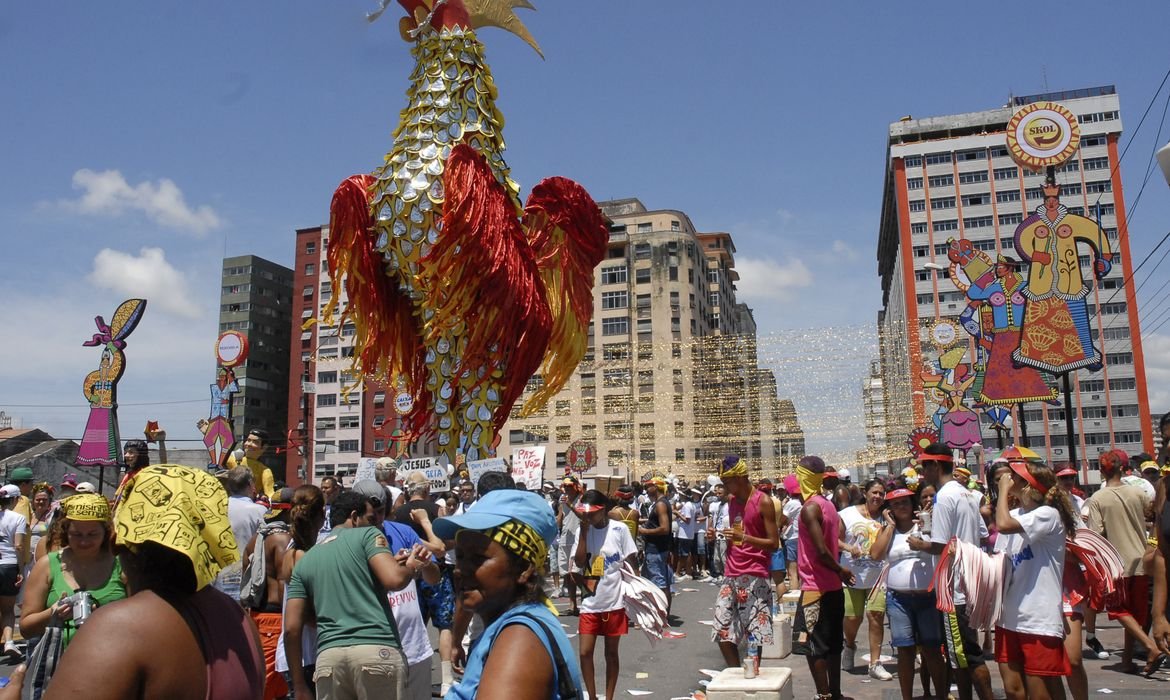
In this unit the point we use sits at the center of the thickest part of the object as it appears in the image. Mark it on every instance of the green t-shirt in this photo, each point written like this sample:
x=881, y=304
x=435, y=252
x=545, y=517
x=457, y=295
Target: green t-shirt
x=351, y=605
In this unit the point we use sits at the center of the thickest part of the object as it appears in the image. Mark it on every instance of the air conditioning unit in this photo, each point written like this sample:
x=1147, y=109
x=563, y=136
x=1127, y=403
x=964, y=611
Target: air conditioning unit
x=1096, y=397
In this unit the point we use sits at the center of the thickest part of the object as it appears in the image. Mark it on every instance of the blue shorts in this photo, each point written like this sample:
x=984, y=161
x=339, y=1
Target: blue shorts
x=790, y=549
x=656, y=568
x=686, y=547
x=914, y=619
x=779, y=561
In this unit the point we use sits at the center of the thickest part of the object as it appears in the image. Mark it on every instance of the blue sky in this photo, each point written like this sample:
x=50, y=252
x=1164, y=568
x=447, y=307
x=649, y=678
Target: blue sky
x=142, y=141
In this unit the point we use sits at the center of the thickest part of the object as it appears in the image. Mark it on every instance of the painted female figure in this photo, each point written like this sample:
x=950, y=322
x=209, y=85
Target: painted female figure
x=100, y=444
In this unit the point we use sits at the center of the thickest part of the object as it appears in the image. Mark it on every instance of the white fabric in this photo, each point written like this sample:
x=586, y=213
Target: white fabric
x=910, y=570
x=860, y=531
x=607, y=548
x=1032, y=599
x=412, y=631
x=956, y=514
x=246, y=517
x=792, y=511
x=11, y=525
x=687, y=520
x=717, y=518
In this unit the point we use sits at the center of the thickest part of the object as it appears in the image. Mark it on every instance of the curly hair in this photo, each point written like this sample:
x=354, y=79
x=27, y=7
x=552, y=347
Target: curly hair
x=305, y=516
x=1055, y=495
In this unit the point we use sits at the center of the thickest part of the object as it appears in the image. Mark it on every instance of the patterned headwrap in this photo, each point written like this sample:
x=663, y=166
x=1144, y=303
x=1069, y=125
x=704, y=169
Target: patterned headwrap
x=732, y=467
x=522, y=540
x=87, y=507
x=181, y=508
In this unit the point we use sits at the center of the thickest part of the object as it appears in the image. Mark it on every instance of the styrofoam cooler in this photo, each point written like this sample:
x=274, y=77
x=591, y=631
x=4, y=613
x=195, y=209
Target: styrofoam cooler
x=772, y=683
x=788, y=603
x=781, y=645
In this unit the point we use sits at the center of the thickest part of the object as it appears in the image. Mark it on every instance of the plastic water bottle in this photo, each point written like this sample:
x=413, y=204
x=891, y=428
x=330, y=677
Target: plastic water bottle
x=751, y=662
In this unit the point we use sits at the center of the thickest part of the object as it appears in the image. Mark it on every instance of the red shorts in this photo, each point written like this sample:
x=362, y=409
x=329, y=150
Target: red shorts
x=1131, y=599
x=1041, y=656
x=607, y=624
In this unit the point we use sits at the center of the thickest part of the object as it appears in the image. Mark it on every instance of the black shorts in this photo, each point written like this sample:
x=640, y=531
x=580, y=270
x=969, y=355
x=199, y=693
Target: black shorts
x=8, y=575
x=819, y=628
x=963, y=646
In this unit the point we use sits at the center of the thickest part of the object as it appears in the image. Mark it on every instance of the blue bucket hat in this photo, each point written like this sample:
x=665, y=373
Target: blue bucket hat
x=497, y=508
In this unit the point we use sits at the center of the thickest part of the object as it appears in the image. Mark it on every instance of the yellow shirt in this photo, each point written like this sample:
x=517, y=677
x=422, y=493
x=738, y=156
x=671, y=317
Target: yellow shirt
x=261, y=475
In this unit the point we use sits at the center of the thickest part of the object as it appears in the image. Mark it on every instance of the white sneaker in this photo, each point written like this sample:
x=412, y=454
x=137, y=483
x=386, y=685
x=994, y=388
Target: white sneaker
x=879, y=673
x=847, y=658
x=10, y=649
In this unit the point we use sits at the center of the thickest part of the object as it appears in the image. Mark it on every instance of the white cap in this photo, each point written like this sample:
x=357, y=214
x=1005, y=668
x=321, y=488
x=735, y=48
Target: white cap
x=10, y=491
x=86, y=487
x=844, y=474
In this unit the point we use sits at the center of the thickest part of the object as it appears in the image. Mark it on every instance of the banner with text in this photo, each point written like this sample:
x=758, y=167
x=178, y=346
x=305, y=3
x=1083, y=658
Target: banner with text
x=435, y=472
x=528, y=466
x=480, y=467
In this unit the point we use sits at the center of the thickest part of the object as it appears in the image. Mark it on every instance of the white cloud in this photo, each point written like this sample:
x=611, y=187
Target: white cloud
x=148, y=276
x=764, y=279
x=107, y=193
x=842, y=248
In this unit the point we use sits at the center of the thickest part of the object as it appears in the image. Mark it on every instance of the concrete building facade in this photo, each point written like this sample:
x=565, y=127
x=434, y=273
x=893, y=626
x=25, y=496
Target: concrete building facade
x=952, y=177
x=670, y=380
x=256, y=300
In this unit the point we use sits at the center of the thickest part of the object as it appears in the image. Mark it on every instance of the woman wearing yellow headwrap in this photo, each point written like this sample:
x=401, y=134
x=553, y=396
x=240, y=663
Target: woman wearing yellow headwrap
x=175, y=637
x=85, y=563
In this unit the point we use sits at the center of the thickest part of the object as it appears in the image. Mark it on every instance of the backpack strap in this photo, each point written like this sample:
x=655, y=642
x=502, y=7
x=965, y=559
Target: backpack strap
x=565, y=687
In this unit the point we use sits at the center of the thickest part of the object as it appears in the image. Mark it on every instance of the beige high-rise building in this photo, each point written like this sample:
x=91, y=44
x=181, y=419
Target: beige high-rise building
x=670, y=381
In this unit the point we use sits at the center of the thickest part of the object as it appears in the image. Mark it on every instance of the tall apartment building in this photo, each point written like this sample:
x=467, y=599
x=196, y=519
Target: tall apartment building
x=339, y=417
x=670, y=380
x=951, y=176
x=876, y=453
x=256, y=299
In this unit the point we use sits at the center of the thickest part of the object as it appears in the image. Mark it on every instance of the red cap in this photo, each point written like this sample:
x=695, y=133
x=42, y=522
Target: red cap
x=1067, y=471
x=899, y=493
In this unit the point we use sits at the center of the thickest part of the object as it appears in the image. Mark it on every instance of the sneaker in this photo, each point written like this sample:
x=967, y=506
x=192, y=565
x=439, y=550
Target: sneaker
x=847, y=658
x=1094, y=645
x=10, y=649
x=879, y=673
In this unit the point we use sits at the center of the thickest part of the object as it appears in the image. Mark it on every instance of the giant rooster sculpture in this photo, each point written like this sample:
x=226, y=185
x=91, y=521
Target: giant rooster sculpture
x=457, y=292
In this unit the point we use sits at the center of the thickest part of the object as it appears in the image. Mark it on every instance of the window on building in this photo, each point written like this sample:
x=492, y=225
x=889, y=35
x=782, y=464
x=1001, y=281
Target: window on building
x=311, y=248
x=975, y=200
x=326, y=399
x=349, y=422
x=615, y=325
x=615, y=300
x=979, y=222
x=616, y=377
x=563, y=407
x=1122, y=384
x=617, y=430
x=347, y=445
x=642, y=276
x=310, y=269
x=308, y=291
x=563, y=434
x=913, y=162
x=913, y=183
x=972, y=177
x=641, y=251
x=917, y=205
x=945, y=225
x=327, y=377
x=645, y=227
x=1010, y=219
x=1010, y=173
x=1119, y=358
x=938, y=158
x=1007, y=196
x=676, y=350
x=589, y=406
x=941, y=180
x=942, y=203
x=616, y=274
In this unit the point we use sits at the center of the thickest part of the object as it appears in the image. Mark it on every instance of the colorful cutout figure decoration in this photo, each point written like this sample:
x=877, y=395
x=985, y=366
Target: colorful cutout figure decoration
x=231, y=349
x=101, y=443
x=458, y=292
x=1055, y=334
x=993, y=317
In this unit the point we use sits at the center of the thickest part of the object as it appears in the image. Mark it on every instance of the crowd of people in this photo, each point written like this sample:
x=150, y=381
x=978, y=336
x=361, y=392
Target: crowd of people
x=326, y=591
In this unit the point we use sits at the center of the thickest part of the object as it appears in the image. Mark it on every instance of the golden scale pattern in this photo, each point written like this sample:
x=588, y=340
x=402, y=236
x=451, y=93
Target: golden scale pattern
x=451, y=100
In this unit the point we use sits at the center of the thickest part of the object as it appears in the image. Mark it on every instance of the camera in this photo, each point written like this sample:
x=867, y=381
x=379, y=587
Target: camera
x=83, y=605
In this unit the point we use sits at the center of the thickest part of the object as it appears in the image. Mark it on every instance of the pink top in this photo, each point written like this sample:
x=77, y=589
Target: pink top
x=230, y=645
x=747, y=559
x=815, y=576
